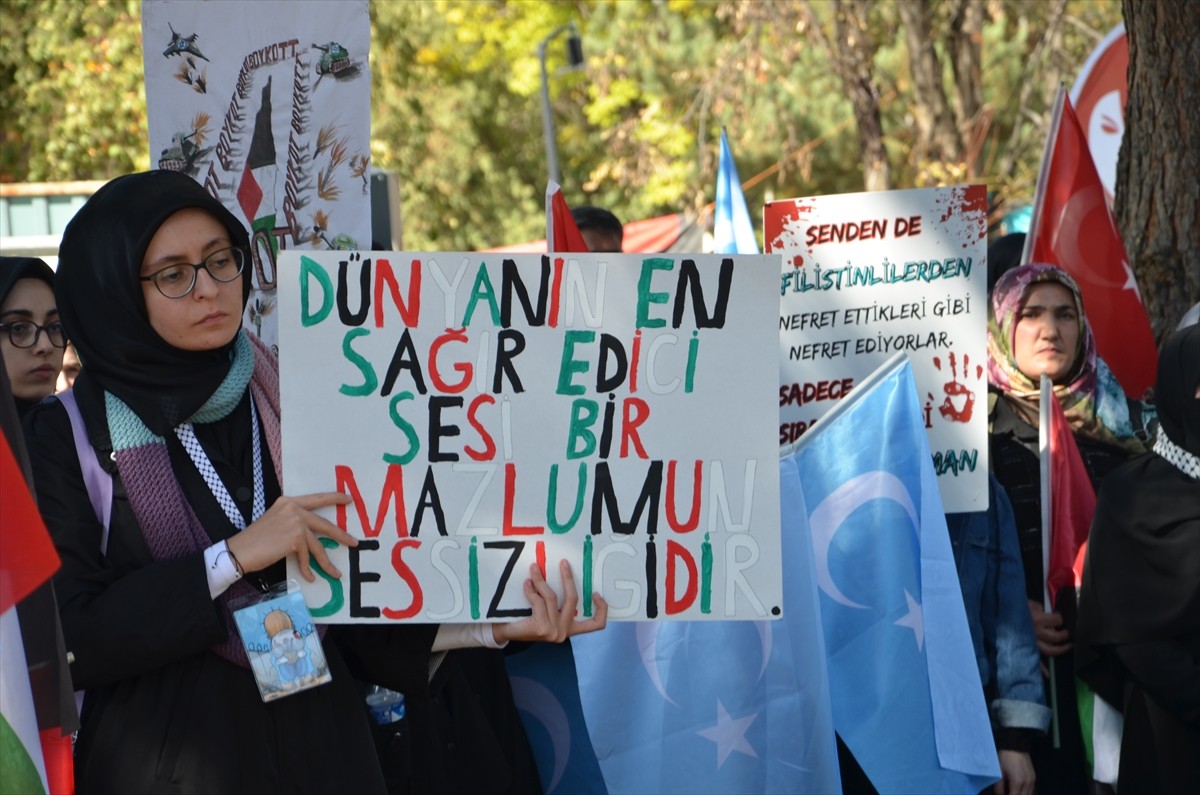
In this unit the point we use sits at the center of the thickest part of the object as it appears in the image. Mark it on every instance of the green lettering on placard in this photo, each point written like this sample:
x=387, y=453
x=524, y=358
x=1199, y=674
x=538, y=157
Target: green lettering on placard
x=646, y=297
x=310, y=267
x=337, y=597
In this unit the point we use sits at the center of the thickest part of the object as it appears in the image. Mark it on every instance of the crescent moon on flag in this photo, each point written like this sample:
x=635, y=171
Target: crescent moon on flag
x=764, y=635
x=536, y=699
x=647, y=641
x=828, y=517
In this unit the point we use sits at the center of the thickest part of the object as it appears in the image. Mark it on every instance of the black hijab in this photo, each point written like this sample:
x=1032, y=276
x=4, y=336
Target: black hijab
x=1178, y=375
x=13, y=269
x=1141, y=580
x=101, y=305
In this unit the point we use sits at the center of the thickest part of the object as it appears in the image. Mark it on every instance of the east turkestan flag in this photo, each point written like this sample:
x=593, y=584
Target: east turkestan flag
x=902, y=676
x=733, y=232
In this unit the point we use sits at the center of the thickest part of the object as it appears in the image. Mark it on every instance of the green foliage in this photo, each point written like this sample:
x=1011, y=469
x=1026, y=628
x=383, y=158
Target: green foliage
x=456, y=102
x=71, y=92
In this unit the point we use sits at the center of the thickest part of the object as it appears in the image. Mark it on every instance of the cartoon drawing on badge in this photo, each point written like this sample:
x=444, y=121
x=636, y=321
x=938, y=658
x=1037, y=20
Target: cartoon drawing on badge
x=282, y=645
x=289, y=652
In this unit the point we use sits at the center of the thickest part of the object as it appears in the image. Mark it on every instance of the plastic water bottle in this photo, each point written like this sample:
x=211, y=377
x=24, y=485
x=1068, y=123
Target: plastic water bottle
x=390, y=735
x=387, y=706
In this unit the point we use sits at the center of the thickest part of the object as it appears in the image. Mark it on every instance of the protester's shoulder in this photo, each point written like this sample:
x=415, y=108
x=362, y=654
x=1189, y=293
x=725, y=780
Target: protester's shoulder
x=1002, y=420
x=1127, y=475
x=46, y=421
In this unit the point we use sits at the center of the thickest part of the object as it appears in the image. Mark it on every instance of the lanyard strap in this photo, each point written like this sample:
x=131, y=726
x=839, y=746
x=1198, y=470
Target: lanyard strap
x=187, y=436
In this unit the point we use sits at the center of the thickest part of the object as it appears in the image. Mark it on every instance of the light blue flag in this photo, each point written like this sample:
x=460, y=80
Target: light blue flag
x=717, y=707
x=903, y=679
x=733, y=233
x=546, y=692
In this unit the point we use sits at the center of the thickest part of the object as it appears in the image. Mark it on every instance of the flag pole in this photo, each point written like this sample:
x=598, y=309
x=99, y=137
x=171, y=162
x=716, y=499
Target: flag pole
x=1046, y=395
x=1039, y=194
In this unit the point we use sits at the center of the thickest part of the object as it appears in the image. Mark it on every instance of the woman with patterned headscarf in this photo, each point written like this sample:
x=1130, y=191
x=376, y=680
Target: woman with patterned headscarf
x=1037, y=325
x=1139, y=605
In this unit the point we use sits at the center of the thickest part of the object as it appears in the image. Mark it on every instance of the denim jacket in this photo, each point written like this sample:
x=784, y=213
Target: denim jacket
x=993, y=588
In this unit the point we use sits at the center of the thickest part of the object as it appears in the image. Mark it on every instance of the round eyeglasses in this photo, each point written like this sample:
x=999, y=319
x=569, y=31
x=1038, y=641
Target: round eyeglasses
x=25, y=333
x=176, y=281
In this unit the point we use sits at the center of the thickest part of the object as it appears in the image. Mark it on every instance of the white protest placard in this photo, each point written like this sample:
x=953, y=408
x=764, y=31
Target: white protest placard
x=868, y=275
x=487, y=412
x=268, y=106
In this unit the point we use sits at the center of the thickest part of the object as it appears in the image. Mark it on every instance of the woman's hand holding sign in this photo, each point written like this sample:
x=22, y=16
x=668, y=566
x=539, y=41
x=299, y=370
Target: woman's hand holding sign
x=550, y=622
x=289, y=527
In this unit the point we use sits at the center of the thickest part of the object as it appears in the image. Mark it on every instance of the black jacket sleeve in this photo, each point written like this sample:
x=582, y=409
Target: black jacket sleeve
x=123, y=613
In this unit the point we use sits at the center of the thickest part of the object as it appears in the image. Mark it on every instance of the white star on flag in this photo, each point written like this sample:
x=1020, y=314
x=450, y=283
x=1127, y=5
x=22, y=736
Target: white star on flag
x=1130, y=280
x=729, y=734
x=913, y=619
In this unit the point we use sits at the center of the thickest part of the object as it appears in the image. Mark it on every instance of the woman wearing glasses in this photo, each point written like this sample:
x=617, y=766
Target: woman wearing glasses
x=31, y=336
x=181, y=408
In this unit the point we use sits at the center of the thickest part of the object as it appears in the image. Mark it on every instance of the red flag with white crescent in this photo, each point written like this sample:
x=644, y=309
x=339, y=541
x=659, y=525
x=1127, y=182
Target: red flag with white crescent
x=1074, y=229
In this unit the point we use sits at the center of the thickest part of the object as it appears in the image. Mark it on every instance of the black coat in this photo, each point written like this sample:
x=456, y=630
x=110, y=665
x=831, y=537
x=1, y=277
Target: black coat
x=164, y=713
x=1139, y=621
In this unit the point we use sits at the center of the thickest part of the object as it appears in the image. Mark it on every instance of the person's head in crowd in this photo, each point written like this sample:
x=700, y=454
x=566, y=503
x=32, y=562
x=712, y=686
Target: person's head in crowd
x=1177, y=391
x=31, y=335
x=1036, y=325
x=169, y=259
x=1004, y=254
x=601, y=230
x=70, y=369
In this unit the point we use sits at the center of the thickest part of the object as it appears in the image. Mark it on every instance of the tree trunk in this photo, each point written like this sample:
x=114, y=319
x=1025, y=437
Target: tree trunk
x=1158, y=174
x=966, y=40
x=937, y=137
x=851, y=51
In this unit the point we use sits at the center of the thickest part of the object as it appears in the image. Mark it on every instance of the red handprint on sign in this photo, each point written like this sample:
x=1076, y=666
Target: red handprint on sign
x=960, y=398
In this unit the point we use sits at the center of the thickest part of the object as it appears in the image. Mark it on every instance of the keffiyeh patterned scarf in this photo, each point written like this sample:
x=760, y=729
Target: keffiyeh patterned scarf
x=1176, y=456
x=1091, y=399
x=168, y=523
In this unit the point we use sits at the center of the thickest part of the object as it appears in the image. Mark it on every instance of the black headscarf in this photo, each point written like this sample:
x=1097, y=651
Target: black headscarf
x=1178, y=375
x=13, y=269
x=101, y=305
x=1141, y=581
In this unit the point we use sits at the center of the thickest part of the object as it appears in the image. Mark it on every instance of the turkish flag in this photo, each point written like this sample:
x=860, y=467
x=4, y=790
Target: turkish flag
x=27, y=556
x=561, y=231
x=1074, y=229
x=1072, y=505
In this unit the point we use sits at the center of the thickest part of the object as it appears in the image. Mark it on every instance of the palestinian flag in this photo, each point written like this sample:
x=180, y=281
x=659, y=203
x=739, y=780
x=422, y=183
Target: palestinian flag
x=256, y=192
x=27, y=559
x=562, y=234
x=21, y=766
x=1072, y=505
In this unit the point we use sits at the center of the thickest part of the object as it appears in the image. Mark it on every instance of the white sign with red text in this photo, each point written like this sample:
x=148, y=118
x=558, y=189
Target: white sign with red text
x=869, y=275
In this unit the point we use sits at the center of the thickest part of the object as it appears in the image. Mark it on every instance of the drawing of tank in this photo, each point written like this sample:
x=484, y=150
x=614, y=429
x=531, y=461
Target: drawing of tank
x=334, y=59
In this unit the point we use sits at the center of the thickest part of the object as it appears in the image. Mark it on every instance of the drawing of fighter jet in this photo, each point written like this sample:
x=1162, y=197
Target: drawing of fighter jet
x=181, y=44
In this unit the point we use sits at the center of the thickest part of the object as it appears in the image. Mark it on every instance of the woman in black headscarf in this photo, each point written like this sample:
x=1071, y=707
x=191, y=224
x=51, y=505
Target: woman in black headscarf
x=31, y=336
x=1139, y=608
x=181, y=409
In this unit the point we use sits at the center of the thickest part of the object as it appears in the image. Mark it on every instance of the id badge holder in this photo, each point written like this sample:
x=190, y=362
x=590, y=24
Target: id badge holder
x=281, y=641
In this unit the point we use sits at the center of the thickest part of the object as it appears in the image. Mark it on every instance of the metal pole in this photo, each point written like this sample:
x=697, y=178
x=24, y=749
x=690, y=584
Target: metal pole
x=547, y=116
